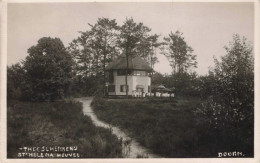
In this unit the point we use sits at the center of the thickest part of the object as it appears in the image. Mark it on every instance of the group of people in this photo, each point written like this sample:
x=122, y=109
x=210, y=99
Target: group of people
x=149, y=94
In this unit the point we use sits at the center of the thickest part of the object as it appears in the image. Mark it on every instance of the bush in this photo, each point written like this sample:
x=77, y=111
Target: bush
x=230, y=108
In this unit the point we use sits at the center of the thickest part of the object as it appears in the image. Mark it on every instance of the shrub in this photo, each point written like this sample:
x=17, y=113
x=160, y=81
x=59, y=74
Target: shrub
x=230, y=108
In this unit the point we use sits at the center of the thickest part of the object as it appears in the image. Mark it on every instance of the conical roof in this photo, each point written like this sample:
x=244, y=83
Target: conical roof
x=134, y=63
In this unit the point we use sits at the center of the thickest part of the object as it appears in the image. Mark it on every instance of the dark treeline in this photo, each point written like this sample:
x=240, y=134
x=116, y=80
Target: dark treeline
x=105, y=41
x=52, y=71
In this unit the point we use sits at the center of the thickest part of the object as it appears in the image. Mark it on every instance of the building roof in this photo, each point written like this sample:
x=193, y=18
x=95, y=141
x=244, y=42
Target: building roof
x=134, y=63
x=162, y=88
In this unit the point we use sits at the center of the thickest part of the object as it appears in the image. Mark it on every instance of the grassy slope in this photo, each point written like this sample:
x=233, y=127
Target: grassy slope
x=165, y=127
x=57, y=124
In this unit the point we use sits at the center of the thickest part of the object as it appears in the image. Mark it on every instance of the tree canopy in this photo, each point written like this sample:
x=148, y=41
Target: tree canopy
x=48, y=71
x=233, y=84
x=136, y=39
x=95, y=48
x=178, y=52
x=229, y=110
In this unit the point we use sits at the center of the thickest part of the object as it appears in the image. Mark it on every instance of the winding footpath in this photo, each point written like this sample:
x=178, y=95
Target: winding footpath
x=131, y=148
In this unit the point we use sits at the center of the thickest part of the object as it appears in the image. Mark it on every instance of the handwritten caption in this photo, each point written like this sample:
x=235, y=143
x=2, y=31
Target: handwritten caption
x=49, y=152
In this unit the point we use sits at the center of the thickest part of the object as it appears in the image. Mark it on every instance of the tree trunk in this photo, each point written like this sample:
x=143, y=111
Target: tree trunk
x=104, y=66
x=126, y=73
x=104, y=69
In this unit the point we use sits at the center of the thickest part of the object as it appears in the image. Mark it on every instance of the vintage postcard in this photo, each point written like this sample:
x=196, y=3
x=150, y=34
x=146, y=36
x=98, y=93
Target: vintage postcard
x=148, y=81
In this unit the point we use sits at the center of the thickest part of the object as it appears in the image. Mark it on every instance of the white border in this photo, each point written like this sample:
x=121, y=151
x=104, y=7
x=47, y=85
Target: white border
x=3, y=64
x=3, y=110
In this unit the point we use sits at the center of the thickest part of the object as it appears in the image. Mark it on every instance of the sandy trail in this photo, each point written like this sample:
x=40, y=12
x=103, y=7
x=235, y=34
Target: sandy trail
x=131, y=148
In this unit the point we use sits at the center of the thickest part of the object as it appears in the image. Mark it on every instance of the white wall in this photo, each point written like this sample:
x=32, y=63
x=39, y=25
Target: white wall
x=132, y=81
x=142, y=80
x=120, y=80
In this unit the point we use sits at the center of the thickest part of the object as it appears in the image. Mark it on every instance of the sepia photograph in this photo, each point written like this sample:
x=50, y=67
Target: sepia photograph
x=139, y=80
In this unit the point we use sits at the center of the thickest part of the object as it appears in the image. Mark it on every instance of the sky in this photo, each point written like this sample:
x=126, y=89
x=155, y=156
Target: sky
x=206, y=27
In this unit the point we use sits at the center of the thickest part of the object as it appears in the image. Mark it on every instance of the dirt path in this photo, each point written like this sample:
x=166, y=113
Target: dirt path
x=131, y=148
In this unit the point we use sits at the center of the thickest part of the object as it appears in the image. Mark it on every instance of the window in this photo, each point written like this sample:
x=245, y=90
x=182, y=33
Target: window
x=123, y=88
x=139, y=88
x=111, y=77
x=111, y=88
x=149, y=88
x=123, y=72
x=140, y=73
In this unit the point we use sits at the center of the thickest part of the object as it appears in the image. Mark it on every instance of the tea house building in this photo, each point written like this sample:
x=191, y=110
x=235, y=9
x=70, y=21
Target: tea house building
x=138, y=79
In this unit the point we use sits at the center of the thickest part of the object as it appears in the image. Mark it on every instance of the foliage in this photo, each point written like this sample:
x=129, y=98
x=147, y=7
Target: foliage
x=48, y=71
x=53, y=72
x=205, y=85
x=162, y=79
x=105, y=40
x=15, y=79
x=135, y=39
x=59, y=123
x=230, y=108
x=94, y=49
x=185, y=83
x=182, y=83
x=45, y=74
x=182, y=59
x=178, y=52
x=86, y=86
